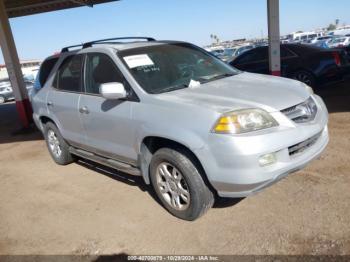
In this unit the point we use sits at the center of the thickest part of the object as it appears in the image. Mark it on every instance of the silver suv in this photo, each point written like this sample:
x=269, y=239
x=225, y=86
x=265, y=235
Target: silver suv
x=189, y=124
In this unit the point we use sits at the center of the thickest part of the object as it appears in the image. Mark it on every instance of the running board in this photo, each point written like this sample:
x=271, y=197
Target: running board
x=106, y=161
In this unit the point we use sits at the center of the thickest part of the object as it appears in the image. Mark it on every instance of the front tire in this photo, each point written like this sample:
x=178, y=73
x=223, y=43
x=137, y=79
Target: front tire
x=57, y=146
x=179, y=185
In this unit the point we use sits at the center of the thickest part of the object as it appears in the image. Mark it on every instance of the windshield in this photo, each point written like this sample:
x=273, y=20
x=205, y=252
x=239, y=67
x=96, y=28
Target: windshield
x=168, y=67
x=229, y=52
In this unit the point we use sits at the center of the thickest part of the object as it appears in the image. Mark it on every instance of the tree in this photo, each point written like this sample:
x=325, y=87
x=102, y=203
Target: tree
x=215, y=38
x=331, y=27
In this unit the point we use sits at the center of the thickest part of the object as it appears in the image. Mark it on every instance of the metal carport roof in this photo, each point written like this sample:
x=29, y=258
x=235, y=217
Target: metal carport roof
x=15, y=8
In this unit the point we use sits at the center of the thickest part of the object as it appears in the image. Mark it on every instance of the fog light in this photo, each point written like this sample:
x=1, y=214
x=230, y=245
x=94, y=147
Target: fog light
x=267, y=159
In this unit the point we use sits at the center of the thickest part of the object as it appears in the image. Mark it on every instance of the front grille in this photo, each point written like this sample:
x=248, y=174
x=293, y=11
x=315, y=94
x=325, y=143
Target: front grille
x=303, y=112
x=302, y=146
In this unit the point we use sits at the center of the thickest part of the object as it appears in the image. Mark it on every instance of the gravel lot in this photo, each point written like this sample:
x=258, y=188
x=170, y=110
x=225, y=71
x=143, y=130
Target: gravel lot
x=84, y=208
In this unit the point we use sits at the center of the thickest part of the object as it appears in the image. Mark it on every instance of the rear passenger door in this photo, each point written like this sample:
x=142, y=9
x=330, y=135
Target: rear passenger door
x=109, y=129
x=63, y=99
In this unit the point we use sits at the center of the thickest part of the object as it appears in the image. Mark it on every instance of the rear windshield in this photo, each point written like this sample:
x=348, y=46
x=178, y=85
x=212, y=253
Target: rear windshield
x=303, y=49
x=168, y=67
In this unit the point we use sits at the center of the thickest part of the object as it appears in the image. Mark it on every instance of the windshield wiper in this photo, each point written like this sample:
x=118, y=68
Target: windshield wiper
x=217, y=77
x=172, y=88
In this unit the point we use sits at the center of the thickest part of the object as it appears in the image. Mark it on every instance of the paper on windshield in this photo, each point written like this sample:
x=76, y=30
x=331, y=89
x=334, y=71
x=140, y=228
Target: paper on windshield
x=194, y=84
x=138, y=60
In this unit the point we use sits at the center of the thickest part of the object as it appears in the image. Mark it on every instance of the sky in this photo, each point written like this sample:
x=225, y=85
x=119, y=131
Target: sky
x=38, y=36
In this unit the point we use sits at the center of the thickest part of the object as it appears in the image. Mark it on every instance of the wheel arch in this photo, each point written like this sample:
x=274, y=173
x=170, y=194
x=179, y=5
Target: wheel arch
x=303, y=69
x=151, y=144
x=300, y=68
x=45, y=119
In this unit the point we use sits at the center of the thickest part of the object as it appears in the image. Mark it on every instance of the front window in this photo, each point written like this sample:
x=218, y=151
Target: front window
x=168, y=67
x=100, y=69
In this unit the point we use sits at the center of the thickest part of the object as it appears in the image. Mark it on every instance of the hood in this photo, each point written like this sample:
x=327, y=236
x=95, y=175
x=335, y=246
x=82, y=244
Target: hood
x=245, y=90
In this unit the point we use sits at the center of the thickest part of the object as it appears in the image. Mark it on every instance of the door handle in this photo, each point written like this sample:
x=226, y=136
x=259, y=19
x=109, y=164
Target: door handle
x=84, y=110
x=49, y=103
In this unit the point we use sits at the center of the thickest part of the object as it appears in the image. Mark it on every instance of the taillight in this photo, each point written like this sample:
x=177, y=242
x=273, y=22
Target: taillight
x=336, y=58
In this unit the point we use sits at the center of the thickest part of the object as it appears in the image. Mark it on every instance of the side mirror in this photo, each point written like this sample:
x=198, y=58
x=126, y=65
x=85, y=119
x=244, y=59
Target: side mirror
x=113, y=90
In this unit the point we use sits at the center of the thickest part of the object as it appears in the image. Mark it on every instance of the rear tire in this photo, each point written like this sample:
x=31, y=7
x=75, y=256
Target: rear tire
x=57, y=146
x=304, y=77
x=179, y=185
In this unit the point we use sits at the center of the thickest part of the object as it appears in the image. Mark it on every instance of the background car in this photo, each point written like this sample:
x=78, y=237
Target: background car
x=308, y=64
x=217, y=52
x=227, y=54
x=339, y=42
x=6, y=93
x=321, y=41
x=242, y=49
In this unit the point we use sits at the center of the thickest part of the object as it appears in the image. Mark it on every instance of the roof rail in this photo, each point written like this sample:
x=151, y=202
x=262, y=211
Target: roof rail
x=66, y=49
x=89, y=44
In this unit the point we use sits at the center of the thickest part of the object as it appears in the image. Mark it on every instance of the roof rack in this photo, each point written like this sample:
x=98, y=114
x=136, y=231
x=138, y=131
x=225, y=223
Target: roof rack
x=66, y=49
x=89, y=44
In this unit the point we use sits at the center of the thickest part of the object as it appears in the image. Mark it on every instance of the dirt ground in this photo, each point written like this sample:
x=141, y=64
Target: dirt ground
x=87, y=209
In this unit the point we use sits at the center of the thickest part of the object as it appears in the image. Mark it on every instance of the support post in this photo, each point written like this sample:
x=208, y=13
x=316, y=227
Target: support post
x=274, y=37
x=13, y=66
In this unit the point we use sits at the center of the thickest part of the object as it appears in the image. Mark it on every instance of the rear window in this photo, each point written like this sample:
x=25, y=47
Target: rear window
x=303, y=49
x=69, y=75
x=44, y=72
x=255, y=55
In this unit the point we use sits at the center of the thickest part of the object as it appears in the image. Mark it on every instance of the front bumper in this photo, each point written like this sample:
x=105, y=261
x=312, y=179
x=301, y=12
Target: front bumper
x=231, y=161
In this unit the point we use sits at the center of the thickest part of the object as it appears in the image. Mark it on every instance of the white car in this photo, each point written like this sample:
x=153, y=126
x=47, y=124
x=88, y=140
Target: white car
x=339, y=42
x=321, y=39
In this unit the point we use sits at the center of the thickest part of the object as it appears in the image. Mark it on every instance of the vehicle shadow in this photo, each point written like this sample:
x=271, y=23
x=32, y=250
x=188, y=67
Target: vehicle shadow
x=223, y=202
x=335, y=96
x=10, y=128
x=138, y=181
x=119, y=176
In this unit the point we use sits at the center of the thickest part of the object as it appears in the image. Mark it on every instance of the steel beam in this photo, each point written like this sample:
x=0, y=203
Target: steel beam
x=274, y=37
x=13, y=66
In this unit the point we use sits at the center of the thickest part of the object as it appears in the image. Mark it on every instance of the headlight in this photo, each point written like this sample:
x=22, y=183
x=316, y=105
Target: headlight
x=243, y=121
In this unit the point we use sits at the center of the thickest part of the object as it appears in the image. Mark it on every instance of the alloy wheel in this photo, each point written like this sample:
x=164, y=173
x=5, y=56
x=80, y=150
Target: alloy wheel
x=54, y=143
x=303, y=77
x=173, y=186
